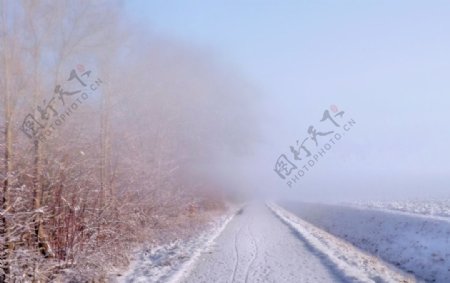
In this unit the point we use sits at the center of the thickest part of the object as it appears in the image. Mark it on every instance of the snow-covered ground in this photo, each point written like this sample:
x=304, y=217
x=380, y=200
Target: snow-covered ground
x=417, y=244
x=350, y=262
x=268, y=244
x=439, y=208
x=261, y=243
x=165, y=262
x=257, y=247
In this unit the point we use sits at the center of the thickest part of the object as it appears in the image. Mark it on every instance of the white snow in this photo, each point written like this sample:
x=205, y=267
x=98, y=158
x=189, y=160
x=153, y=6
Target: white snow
x=354, y=264
x=438, y=208
x=208, y=240
x=417, y=244
x=257, y=247
x=169, y=262
x=262, y=244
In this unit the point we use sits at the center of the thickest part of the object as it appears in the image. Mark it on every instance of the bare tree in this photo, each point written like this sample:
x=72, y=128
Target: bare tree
x=127, y=160
x=7, y=148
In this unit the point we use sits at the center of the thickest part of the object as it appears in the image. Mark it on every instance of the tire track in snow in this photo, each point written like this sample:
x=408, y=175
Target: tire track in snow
x=254, y=256
x=267, y=252
x=236, y=252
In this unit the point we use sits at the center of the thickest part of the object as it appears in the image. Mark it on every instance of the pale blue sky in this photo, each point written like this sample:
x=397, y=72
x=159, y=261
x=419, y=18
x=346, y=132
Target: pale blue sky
x=386, y=63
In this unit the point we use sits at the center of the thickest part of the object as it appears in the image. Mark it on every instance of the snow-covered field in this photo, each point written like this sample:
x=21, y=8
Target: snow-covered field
x=417, y=244
x=352, y=263
x=261, y=243
x=299, y=242
x=439, y=208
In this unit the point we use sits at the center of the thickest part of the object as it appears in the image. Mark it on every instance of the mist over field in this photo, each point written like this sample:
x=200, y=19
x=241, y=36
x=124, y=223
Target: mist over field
x=384, y=64
x=182, y=141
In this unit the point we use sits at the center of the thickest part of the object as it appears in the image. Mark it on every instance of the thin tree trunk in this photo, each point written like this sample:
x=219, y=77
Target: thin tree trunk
x=106, y=186
x=7, y=155
x=40, y=235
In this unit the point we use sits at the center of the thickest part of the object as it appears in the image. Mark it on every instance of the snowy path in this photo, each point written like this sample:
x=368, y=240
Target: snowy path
x=257, y=247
